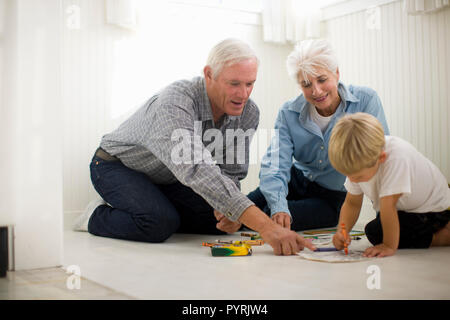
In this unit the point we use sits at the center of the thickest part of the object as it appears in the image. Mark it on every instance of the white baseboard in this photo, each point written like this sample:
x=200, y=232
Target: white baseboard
x=69, y=218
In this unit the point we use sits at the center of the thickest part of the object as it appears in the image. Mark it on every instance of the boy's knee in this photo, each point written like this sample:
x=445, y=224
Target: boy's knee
x=374, y=232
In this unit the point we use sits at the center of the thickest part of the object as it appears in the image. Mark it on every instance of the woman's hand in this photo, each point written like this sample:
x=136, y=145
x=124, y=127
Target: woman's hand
x=283, y=219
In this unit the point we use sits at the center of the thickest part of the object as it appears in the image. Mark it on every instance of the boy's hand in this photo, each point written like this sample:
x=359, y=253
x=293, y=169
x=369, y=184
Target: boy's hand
x=380, y=250
x=339, y=240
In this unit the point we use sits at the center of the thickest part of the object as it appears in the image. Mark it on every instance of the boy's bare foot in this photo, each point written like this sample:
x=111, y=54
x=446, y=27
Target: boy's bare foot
x=442, y=237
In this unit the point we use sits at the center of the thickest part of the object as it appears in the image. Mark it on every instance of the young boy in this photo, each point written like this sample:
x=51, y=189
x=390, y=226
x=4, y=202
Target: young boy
x=409, y=193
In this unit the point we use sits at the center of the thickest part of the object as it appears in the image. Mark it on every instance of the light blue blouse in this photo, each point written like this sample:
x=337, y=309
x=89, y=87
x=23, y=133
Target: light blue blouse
x=299, y=141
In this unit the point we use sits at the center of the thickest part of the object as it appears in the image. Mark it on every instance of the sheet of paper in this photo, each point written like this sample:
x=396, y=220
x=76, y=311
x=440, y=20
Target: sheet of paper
x=333, y=256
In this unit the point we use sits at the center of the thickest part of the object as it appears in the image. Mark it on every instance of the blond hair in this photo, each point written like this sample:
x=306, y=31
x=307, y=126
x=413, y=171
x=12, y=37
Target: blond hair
x=356, y=143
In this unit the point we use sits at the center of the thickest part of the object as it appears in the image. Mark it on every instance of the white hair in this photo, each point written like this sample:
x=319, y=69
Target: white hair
x=228, y=52
x=309, y=55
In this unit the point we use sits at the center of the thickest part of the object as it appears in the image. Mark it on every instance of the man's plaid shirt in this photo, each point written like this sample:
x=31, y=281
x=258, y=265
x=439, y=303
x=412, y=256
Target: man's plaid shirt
x=145, y=143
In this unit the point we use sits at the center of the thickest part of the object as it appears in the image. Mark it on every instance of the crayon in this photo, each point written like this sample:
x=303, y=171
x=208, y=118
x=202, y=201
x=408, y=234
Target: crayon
x=344, y=232
x=325, y=249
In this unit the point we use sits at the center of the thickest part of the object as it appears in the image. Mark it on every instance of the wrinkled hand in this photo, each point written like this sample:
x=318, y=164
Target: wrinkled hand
x=283, y=219
x=339, y=240
x=226, y=224
x=380, y=250
x=284, y=241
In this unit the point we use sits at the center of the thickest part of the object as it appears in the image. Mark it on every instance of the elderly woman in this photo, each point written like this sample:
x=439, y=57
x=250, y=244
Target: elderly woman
x=299, y=188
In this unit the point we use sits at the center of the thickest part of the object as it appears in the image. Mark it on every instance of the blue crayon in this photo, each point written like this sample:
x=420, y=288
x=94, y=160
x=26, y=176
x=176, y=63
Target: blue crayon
x=325, y=249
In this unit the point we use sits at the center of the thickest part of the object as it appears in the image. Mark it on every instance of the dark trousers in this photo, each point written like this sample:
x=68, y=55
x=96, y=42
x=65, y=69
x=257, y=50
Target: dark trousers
x=311, y=206
x=143, y=211
x=416, y=229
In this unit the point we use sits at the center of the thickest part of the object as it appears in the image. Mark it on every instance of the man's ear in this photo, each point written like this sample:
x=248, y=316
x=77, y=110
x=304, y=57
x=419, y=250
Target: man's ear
x=383, y=156
x=207, y=72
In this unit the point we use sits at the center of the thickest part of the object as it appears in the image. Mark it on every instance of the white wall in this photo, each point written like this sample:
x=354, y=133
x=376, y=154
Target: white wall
x=8, y=85
x=6, y=215
x=108, y=71
x=31, y=161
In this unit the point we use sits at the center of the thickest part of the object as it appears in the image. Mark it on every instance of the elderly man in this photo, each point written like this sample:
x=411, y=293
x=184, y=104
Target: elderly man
x=157, y=173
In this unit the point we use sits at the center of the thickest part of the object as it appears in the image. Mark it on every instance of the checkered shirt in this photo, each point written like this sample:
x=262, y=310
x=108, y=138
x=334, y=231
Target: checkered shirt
x=146, y=142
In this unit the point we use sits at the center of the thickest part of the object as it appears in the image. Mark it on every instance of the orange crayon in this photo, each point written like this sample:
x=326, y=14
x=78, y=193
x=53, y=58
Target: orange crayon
x=344, y=232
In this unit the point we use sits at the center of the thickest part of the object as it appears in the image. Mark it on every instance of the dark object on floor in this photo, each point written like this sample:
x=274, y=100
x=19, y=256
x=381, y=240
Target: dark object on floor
x=3, y=251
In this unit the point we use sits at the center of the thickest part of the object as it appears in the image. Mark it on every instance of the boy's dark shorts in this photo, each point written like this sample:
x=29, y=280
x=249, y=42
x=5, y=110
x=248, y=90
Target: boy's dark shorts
x=416, y=229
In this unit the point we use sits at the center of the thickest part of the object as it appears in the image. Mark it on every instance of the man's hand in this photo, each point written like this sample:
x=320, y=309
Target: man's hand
x=226, y=224
x=283, y=219
x=380, y=250
x=284, y=241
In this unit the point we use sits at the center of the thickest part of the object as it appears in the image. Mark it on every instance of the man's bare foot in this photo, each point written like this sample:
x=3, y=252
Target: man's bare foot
x=442, y=237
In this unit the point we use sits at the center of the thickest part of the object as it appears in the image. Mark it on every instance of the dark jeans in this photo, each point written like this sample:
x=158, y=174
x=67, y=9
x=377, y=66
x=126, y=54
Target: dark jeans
x=311, y=206
x=416, y=229
x=143, y=211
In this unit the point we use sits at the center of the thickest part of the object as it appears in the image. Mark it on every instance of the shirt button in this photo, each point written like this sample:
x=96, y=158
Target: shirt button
x=310, y=176
x=229, y=214
x=321, y=147
x=320, y=161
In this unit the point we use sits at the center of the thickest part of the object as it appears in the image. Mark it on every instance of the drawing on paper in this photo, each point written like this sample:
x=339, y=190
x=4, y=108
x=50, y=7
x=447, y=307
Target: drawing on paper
x=334, y=256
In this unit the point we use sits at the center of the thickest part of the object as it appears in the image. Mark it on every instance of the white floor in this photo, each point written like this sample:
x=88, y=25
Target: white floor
x=52, y=284
x=181, y=268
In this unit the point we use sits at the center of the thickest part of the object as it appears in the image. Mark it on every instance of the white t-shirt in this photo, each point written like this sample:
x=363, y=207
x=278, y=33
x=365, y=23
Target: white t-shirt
x=424, y=188
x=320, y=120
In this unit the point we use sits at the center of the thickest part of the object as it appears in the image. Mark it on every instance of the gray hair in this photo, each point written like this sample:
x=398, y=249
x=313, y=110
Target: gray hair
x=228, y=52
x=308, y=55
